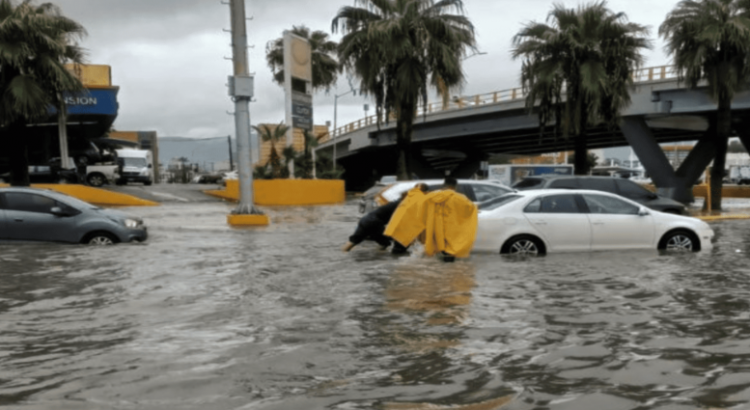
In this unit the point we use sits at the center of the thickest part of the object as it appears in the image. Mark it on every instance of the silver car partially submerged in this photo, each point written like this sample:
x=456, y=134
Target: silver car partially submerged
x=29, y=214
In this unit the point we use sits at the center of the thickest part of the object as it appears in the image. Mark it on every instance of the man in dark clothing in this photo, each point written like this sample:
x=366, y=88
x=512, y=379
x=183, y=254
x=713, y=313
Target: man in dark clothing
x=372, y=225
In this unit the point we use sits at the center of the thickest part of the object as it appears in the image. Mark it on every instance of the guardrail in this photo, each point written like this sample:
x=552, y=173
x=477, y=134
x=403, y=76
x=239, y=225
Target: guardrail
x=642, y=75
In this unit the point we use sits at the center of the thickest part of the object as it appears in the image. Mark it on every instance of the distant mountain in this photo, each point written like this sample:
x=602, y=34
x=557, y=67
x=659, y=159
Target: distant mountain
x=208, y=153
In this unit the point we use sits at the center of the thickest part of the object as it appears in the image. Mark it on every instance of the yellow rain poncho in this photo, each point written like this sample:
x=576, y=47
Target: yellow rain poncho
x=407, y=222
x=450, y=223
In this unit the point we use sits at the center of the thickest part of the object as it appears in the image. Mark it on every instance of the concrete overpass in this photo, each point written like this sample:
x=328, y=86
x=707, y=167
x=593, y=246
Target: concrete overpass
x=458, y=136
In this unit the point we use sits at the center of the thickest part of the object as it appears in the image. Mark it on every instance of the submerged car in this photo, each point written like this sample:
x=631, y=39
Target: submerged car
x=28, y=214
x=620, y=186
x=541, y=221
x=476, y=191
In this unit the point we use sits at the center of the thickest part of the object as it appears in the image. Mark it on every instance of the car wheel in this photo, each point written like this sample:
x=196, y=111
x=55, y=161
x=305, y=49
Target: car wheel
x=147, y=183
x=524, y=245
x=100, y=239
x=680, y=241
x=96, y=179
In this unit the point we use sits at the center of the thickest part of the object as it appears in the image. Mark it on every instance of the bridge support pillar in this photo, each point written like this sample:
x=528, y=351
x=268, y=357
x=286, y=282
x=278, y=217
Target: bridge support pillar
x=652, y=156
x=698, y=159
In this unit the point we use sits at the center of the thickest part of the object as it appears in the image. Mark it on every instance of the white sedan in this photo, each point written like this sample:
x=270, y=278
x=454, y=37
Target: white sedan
x=540, y=221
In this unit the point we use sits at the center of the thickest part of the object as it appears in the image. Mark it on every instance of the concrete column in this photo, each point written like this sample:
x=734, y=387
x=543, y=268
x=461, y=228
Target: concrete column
x=652, y=157
x=699, y=158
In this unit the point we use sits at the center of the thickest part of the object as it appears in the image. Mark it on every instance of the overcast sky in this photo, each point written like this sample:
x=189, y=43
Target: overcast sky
x=168, y=56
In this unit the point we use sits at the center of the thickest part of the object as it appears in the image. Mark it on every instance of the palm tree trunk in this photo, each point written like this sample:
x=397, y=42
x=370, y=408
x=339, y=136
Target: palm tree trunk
x=274, y=159
x=580, y=145
x=404, y=130
x=723, y=129
x=19, y=161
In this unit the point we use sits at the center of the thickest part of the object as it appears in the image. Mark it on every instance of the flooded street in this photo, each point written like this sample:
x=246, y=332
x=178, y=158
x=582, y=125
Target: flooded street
x=203, y=316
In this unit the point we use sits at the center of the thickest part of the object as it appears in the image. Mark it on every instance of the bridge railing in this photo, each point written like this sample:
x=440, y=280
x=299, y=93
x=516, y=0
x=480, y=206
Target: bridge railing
x=466, y=102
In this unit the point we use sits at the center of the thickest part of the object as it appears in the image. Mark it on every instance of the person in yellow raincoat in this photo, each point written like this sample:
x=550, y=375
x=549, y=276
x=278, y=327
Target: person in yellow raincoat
x=407, y=224
x=447, y=219
x=450, y=222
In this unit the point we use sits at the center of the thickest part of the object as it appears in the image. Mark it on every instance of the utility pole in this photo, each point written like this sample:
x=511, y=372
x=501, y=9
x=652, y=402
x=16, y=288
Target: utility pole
x=231, y=161
x=241, y=90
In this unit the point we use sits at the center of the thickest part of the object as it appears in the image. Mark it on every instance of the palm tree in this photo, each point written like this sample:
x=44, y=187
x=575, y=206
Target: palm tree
x=396, y=48
x=274, y=135
x=35, y=43
x=325, y=68
x=577, y=69
x=710, y=39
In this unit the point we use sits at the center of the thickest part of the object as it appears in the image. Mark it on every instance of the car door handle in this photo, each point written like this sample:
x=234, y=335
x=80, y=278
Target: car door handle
x=540, y=223
x=18, y=219
x=597, y=223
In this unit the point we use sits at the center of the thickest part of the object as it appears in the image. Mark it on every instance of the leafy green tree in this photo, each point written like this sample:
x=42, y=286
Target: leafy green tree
x=397, y=49
x=710, y=40
x=325, y=68
x=35, y=44
x=274, y=135
x=324, y=167
x=577, y=69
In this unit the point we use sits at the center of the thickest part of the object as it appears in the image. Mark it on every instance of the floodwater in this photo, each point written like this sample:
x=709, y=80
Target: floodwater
x=203, y=316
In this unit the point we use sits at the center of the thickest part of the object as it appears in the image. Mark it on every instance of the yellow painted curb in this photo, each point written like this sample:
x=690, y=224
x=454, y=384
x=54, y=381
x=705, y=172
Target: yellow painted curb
x=95, y=196
x=711, y=218
x=248, y=220
x=220, y=193
x=288, y=191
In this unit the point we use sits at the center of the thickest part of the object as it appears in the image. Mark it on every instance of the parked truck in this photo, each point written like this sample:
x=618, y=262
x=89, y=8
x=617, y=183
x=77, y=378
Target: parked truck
x=510, y=174
x=136, y=165
x=125, y=165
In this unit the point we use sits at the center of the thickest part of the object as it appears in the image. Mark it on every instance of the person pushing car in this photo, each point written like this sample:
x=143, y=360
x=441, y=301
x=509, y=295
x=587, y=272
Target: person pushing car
x=447, y=218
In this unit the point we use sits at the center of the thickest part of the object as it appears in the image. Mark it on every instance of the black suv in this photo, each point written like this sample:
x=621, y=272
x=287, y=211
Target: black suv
x=620, y=186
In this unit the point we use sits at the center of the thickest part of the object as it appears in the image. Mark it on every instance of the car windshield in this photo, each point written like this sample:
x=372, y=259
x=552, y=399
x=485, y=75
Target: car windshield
x=75, y=202
x=134, y=162
x=495, y=203
x=528, y=183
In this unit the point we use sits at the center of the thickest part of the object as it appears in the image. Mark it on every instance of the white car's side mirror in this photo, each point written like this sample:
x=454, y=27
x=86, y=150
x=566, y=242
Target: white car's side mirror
x=643, y=211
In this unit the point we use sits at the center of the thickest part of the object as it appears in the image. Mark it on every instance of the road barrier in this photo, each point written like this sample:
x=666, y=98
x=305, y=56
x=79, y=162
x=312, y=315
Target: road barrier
x=95, y=196
x=288, y=191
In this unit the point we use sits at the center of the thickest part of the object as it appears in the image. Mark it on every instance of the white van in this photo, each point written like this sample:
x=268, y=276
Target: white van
x=136, y=165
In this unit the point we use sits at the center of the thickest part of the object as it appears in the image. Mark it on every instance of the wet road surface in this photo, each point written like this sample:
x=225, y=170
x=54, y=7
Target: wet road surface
x=204, y=316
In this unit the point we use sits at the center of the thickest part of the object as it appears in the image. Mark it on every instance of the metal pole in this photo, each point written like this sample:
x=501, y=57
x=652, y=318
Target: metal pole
x=62, y=129
x=231, y=161
x=241, y=108
x=333, y=136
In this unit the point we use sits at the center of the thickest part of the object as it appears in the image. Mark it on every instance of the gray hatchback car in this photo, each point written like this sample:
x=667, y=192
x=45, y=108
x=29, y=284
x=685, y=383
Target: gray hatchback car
x=618, y=186
x=28, y=214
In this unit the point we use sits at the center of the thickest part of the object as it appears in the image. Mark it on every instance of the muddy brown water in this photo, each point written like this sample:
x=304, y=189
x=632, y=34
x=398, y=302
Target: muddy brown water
x=203, y=316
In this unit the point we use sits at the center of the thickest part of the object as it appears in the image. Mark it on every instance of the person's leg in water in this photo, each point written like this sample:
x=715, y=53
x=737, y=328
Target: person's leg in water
x=447, y=257
x=357, y=237
x=399, y=249
x=368, y=229
x=382, y=240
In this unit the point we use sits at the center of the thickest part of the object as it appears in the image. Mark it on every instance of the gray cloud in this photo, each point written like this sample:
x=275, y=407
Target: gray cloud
x=168, y=55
